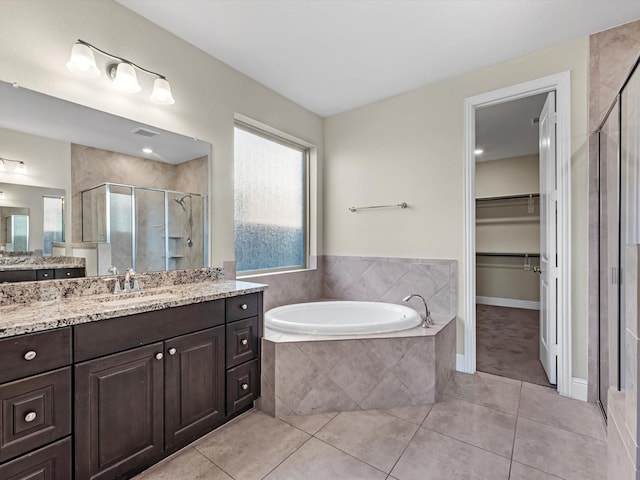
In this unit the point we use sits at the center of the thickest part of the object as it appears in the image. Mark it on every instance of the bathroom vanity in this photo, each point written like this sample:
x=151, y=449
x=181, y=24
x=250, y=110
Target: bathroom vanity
x=110, y=384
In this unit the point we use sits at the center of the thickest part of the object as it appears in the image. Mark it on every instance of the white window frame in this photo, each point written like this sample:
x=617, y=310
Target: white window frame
x=310, y=169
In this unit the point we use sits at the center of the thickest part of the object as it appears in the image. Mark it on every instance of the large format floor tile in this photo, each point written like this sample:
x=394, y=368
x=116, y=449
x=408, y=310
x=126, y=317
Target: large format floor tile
x=522, y=472
x=316, y=460
x=372, y=436
x=480, y=426
x=310, y=423
x=433, y=456
x=546, y=406
x=565, y=454
x=410, y=414
x=186, y=465
x=487, y=390
x=251, y=447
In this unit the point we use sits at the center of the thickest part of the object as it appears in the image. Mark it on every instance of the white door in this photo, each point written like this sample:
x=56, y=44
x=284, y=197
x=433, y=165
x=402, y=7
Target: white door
x=548, y=239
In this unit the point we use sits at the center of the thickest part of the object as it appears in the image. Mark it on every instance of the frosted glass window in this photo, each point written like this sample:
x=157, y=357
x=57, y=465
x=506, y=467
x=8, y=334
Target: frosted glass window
x=53, y=222
x=270, y=203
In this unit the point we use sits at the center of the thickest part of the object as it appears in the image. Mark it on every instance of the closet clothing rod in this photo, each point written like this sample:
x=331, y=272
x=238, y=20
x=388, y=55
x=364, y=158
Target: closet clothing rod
x=494, y=254
x=401, y=205
x=508, y=197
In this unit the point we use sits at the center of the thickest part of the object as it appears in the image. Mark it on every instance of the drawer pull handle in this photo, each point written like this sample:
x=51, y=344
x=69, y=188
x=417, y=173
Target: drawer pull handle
x=30, y=417
x=245, y=386
x=30, y=355
x=172, y=351
x=159, y=356
x=244, y=306
x=244, y=341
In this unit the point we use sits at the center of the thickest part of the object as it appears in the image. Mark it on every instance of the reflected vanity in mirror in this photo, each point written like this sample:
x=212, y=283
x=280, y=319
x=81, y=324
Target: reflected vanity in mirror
x=104, y=188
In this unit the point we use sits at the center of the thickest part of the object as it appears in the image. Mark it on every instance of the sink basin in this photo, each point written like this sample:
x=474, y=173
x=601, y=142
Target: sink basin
x=138, y=297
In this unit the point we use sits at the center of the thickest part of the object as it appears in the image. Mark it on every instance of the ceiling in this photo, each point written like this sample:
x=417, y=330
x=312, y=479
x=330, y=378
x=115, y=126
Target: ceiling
x=38, y=114
x=330, y=56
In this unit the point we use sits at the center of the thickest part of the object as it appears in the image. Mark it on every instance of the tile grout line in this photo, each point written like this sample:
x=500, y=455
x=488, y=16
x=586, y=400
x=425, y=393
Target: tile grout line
x=350, y=455
x=513, y=443
x=288, y=456
x=466, y=443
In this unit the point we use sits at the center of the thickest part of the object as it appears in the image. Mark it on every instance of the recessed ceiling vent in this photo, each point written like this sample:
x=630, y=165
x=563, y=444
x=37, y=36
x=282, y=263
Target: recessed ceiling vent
x=145, y=132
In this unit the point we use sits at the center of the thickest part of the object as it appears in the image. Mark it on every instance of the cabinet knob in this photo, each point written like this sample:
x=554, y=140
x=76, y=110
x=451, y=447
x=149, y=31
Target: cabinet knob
x=244, y=306
x=30, y=417
x=245, y=386
x=68, y=274
x=159, y=356
x=244, y=341
x=172, y=351
x=30, y=355
x=45, y=275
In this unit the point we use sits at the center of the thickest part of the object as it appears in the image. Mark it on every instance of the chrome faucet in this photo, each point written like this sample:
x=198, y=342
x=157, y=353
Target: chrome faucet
x=129, y=276
x=426, y=320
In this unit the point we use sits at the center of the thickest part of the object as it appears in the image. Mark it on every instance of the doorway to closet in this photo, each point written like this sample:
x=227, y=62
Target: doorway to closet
x=510, y=327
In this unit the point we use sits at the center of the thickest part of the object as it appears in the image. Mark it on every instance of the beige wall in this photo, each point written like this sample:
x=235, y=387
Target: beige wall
x=508, y=176
x=37, y=40
x=48, y=162
x=410, y=148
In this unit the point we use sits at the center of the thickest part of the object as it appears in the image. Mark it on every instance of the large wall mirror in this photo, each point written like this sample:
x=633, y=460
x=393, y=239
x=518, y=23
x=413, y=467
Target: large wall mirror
x=106, y=188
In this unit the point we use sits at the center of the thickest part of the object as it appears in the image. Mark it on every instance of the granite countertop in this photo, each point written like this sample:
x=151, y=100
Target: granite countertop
x=17, y=319
x=36, y=266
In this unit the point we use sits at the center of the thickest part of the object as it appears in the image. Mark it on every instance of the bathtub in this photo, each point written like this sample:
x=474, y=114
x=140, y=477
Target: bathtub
x=341, y=318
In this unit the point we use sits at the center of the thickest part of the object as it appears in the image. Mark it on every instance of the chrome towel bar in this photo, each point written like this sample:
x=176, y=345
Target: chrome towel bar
x=401, y=205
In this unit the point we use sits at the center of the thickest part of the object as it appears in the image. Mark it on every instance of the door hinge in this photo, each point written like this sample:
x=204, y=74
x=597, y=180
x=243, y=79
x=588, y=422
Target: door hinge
x=553, y=195
x=553, y=118
x=553, y=349
x=553, y=272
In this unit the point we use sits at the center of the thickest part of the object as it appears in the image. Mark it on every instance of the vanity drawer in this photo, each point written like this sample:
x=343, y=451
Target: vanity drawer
x=18, y=276
x=96, y=339
x=69, y=272
x=242, y=341
x=44, y=274
x=25, y=355
x=49, y=463
x=243, y=385
x=244, y=306
x=35, y=411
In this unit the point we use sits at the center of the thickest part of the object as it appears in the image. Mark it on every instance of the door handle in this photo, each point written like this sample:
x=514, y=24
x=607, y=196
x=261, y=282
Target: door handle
x=537, y=270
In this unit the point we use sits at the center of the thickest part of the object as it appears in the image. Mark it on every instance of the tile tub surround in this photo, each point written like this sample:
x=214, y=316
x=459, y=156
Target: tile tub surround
x=382, y=279
x=36, y=262
x=304, y=374
x=20, y=318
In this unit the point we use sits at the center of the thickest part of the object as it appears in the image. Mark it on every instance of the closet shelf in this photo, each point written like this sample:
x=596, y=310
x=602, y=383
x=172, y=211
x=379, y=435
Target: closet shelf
x=508, y=197
x=511, y=254
x=527, y=219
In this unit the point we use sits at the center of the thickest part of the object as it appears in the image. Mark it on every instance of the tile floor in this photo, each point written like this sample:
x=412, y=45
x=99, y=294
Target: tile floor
x=486, y=427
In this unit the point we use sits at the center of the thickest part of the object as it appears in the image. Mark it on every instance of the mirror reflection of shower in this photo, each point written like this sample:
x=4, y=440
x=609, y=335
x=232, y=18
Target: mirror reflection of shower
x=180, y=201
x=147, y=229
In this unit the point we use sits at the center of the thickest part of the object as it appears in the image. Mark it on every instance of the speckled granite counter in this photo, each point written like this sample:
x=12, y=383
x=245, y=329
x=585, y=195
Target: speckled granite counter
x=35, y=266
x=20, y=318
x=35, y=262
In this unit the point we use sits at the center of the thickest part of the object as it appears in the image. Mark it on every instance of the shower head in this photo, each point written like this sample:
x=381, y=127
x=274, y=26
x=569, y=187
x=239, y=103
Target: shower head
x=180, y=201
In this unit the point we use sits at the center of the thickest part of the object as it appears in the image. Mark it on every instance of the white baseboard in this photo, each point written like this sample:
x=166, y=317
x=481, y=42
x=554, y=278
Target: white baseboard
x=508, y=302
x=459, y=362
x=579, y=388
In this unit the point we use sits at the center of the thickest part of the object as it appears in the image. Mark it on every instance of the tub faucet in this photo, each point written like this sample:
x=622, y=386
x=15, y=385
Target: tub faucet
x=426, y=320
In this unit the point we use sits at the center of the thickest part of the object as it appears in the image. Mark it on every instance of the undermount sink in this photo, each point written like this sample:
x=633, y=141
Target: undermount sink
x=138, y=297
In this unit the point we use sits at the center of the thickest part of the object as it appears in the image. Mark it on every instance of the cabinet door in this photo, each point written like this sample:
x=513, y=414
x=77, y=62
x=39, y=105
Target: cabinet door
x=119, y=412
x=49, y=463
x=194, y=388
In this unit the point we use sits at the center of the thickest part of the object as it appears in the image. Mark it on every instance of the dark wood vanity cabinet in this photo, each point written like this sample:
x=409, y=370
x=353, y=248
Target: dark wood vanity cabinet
x=35, y=406
x=145, y=385
x=118, y=412
x=32, y=275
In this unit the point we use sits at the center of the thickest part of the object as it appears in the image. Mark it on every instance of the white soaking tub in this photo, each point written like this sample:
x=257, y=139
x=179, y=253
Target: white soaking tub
x=341, y=318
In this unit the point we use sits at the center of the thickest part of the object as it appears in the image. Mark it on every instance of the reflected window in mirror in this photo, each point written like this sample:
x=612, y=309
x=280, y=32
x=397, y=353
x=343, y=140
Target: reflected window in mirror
x=53, y=215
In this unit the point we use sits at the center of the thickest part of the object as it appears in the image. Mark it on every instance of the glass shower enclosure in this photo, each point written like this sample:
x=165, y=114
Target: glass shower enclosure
x=149, y=229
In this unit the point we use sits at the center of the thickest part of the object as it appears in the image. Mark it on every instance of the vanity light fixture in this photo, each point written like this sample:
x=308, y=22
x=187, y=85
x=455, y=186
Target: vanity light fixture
x=147, y=150
x=478, y=151
x=122, y=72
x=19, y=167
x=2, y=197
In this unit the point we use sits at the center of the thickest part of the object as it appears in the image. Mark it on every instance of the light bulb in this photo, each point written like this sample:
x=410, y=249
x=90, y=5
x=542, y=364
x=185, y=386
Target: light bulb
x=124, y=78
x=21, y=168
x=82, y=62
x=161, y=93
